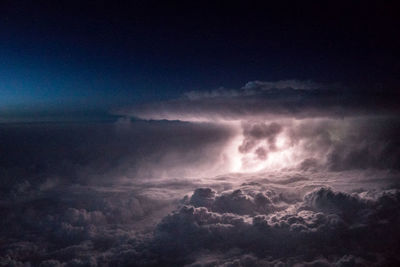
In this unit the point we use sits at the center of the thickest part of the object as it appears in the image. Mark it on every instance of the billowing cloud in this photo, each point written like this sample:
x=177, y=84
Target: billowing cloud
x=324, y=223
x=258, y=219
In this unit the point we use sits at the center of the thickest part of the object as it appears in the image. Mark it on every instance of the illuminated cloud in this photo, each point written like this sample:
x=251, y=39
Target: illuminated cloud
x=259, y=100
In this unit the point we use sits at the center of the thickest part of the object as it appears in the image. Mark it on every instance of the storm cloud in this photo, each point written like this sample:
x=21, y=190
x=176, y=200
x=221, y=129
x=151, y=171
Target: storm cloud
x=273, y=174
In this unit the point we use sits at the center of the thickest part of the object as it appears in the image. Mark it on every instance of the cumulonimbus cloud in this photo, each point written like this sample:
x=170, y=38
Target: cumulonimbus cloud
x=318, y=190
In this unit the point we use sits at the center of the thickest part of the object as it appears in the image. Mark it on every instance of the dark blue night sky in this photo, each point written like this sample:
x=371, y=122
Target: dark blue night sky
x=90, y=57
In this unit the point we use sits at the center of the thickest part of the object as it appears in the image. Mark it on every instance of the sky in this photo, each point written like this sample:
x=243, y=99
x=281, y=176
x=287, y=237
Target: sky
x=146, y=133
x=94, y=56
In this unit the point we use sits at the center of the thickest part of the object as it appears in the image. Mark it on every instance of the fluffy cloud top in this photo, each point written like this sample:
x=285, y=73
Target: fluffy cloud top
x=262, y=222
x=324, y=224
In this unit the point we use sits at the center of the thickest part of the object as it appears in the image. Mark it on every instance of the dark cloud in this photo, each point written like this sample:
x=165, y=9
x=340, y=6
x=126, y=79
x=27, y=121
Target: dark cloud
x=81, y=152
x=353, y=144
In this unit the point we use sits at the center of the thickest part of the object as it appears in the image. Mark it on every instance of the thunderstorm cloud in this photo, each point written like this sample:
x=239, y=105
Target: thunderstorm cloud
x=272, y=174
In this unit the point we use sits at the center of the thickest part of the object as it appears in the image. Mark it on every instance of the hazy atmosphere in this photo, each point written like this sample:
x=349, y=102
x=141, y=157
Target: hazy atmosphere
x=203, y=134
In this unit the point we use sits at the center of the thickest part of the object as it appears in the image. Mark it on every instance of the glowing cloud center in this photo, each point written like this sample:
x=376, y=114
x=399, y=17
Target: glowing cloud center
x=280, y=153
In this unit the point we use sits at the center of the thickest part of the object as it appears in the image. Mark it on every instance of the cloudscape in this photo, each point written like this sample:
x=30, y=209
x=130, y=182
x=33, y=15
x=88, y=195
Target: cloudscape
x=166, y=134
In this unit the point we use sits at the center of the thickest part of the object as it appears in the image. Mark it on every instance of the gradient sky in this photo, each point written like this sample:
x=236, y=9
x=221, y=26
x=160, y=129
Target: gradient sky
x=86, y=57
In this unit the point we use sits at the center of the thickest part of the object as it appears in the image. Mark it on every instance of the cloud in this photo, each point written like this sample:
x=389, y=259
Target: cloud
x=237, y=201
x=45, y=155
x=324, y=223
x=253, y=133
x=317, y=144
x=325, y=190
x=254, y=88
x=259, y=100
x=276, y=220
x=292, y=124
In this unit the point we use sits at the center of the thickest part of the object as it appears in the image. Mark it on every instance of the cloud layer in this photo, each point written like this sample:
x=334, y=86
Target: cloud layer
x=273, y=174
x=259, y=100
x=258, y=223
